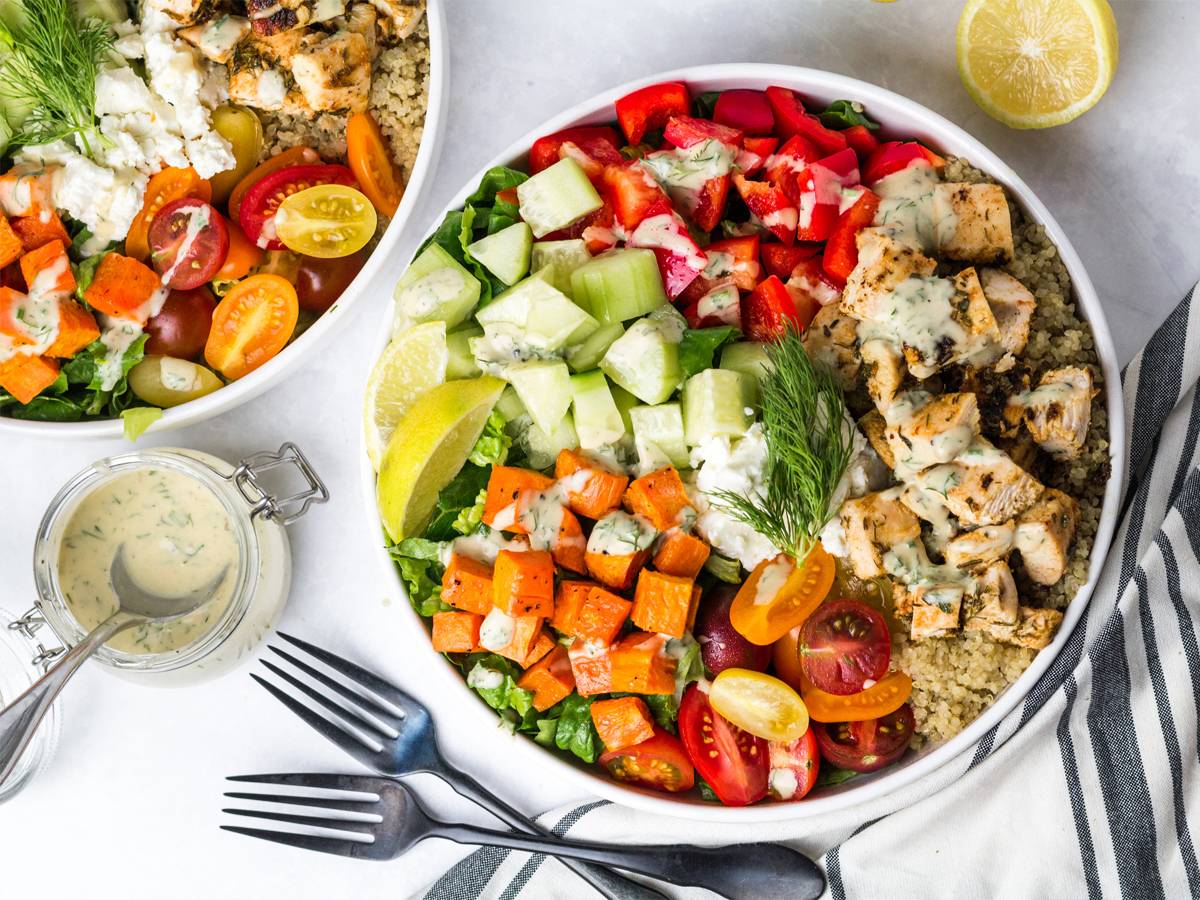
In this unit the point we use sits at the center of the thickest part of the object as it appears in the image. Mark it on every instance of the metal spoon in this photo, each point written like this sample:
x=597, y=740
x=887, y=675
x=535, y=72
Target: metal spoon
x=135, y=606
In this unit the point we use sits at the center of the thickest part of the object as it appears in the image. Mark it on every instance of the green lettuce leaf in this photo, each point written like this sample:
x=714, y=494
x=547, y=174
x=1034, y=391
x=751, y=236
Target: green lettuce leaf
x=422, y=577
x=506, y=696
x=492, y=447
x=845, y=114
x=698, y=346
x=469, y=518
x=575, y=731
x=137, y=419
x=462, y=493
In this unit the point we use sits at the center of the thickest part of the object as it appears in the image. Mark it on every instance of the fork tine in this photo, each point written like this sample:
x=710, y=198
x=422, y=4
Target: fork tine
x=338, y=735
x=344, y=805
x=349, y=693
x=365, y=677
x=357, y=826
x=361, y=784
x=339, y=847
x=353, y=715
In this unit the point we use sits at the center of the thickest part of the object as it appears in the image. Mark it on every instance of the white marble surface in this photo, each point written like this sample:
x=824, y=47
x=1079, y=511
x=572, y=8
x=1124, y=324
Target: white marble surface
x=130, y=805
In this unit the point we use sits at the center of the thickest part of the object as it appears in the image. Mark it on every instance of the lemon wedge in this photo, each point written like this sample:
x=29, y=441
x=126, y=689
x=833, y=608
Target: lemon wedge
x=1036, y=63
x=428, y=448
x=413, y=362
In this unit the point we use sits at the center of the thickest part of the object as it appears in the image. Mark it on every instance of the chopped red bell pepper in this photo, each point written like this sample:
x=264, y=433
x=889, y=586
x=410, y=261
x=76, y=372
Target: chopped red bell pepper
x=893, y=156
x=722, y=305
x=806, y=304
x=841, y=251
x=633, y=193
x=680, y=259
x=649, y=108
x=598, y=142
x=791, y=119
x=710, y=204
x=781, y=261
x=686, y=131
x=763, y=146
x=746, y=110
x=754, y=154
x=788, y=163
x=861, y=140
x=596, y=229
x=768, y=310
x=770, y=206
x=733, y=258
x=809, y=278
x=821, y=194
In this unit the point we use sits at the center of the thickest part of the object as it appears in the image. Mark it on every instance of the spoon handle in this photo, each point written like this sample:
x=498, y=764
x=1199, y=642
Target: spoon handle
x=746, y=870
x=612, y=885
x=20, y=719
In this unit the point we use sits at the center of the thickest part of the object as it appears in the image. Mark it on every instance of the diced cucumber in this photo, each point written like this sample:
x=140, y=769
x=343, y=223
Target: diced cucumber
x=750, y=359
x=714, y=405
x=563, y=258
x=658, y=435
x=587, y=355
x=557, y=196
x=645, y=359
x=506, y=253
x=625, y=402
x=509, y=405
x=435, y=287
x=542, y=449
x=597, y=419
x=619, y=285
x=462, y=361
x=544, y=387
x=535, y=314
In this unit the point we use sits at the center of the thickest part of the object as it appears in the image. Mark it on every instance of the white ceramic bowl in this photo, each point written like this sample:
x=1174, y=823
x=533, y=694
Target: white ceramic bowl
x=902, y=117
x=294, y=355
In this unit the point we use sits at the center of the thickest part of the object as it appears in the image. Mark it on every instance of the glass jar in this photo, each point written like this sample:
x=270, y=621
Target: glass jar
x=23, y=660
x=261, y=574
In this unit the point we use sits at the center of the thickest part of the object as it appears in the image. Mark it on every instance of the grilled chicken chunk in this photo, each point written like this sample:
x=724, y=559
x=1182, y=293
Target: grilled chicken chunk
x=884, y=263
x=985, y=544
x=1012, y=306
x=259, y=75
x=269, y=17
x=361, y=18
x=930, y=506
x=188, y=12
x=1059, y=410
x=874, y=523
x=923, y=431
x=399, y=18
x=334, y=72
x=884, y=366
x=935, y=610
x=874, y=428
x=994, y=600
x=832, y=338
x=983, y=486
x=982, y=227
x=1034, y=629
x=1044, y=534
x=216, y=39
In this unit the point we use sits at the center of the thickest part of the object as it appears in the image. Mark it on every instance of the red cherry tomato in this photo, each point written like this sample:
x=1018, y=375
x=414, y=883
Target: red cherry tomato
x=659, y=763
x=866, y=746
x=732, y=761
x=794, y=767
x=188, y=243
x=181, y=327
x=257, y=213
x=319, y=282
x=843, y=645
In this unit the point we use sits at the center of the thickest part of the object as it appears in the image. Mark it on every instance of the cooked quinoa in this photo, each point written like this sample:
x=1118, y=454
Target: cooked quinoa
x=956, y=678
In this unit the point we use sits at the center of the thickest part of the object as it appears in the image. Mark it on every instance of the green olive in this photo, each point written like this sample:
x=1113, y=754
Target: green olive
x=165, y=381
x=243, y=130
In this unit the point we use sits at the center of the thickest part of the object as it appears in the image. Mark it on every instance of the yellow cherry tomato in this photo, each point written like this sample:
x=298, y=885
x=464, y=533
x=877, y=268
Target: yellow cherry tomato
x=779, y=595
x=327, y=221
x=885, y=696
x=760, y=704
x=243, y=130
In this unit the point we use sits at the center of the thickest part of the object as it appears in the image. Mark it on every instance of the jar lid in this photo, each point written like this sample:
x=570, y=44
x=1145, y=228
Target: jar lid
x=24, y=658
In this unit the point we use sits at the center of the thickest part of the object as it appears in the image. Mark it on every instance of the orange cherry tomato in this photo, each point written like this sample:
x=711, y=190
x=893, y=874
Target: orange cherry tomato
x=885, y=696
x=371, y=162
x=165, y=187
x=792, y=593
x=293, y=156
x=251, y=325
x=785, y=660
x=242, y=256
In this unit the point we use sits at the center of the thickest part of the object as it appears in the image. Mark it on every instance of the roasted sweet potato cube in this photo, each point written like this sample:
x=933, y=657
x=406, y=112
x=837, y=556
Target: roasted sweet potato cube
x=591, y=666
x=639, y=665
x=662, y=602
x=622, y=722
x=523, y=583
x=616, y=571
x=568, y=602
x=525, y=632
x=591, y=489
x=27, y=376
x=681, y=554
x=11, y=247
x=542, y=645
x=467, y=585
x=456, y=632
x=76, y=329
x=601, y=616
x=660, y=498
x=48, y=269
x=41, y=228
x=550, y=679
x=505, y=486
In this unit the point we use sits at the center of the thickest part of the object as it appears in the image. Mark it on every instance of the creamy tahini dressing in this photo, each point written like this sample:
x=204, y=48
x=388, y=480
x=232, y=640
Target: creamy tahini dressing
x=772, y=579
x=426, y=294
x=177, y=537
x=917, y=314
x=36, y=316
x=620, y=534
x=666, y=232
x=683, y=172
x=910, y=211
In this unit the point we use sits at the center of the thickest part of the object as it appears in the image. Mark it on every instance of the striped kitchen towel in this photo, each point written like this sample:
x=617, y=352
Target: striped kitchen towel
x=1089, y=788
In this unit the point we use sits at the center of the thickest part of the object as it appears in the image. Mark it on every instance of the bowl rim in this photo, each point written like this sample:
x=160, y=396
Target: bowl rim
x=291, y=357
x=924, y=124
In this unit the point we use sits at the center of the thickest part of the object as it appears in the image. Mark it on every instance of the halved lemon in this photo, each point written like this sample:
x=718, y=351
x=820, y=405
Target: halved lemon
x=1036, y=63
x=413, y=362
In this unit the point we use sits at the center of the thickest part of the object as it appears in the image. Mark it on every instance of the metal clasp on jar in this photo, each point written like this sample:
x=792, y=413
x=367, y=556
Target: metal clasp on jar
x=29, y=624
x=262, y=502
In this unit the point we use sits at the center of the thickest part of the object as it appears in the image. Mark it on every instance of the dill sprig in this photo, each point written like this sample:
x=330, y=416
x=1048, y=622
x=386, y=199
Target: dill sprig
x=809, y=443
x=51, y=69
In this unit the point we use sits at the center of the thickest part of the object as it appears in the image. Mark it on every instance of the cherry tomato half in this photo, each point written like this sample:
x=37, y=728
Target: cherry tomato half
x=188, y=243
x=785, y=660
x=252, y=323
x=368, y=155
x=319, y=282
x=760, y=704
x=869, y=745
x=325, y=220
x=844, y=644
x=886, y=695
x=242, y=257
x=659, y=763
x=293, y=156
x=181, y=327
x=164, y=187
x=732, y=761
x=794, y=767
x=257, y=213
x=779, y=595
